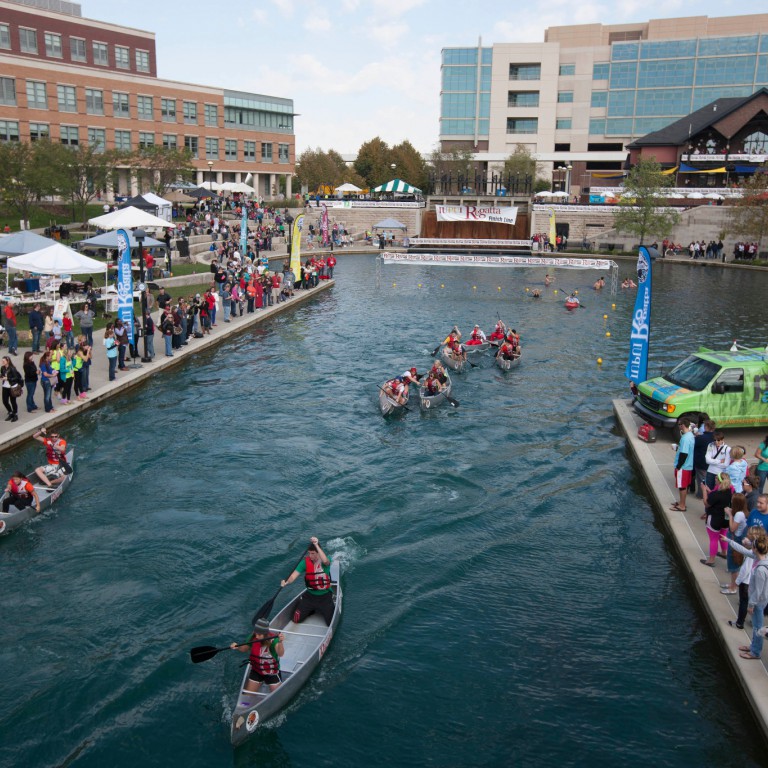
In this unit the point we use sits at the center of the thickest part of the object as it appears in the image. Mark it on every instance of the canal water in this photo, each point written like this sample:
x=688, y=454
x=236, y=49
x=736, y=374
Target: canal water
x=509, y=597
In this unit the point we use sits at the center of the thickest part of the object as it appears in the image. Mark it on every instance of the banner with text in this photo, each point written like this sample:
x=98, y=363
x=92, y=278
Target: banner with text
x=639, y=337
x=506, y=215
x=124, y=283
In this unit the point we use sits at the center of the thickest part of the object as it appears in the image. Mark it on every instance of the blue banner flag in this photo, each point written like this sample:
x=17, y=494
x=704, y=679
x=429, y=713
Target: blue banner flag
x=124, y=283
x=244, y=233
x=639, y=338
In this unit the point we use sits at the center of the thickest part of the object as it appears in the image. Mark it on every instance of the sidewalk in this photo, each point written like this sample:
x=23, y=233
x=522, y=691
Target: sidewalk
x=14, y=433
x=688, y=534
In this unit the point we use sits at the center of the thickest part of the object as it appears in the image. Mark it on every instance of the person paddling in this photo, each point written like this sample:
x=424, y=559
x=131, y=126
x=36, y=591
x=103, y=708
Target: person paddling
x=316, y=569
x=265, y=654
x=20, y=492
x=56, y=453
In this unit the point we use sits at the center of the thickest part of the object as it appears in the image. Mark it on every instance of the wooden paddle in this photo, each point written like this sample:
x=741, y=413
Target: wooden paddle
x=205, y=652
x=267, y=607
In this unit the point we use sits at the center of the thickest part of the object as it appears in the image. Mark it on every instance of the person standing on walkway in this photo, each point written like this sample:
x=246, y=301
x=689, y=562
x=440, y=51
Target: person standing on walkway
x=36, y=325
x=30, y=380
x=12, y=388
x=48, y=378
x=758, y=599
x=762, y=468
x=86, y=316
x=683, y=463
x=111, y=346
x=9, y=322
x=149, y=324
x=166, y=328
x=701, y=442
x=121, y=337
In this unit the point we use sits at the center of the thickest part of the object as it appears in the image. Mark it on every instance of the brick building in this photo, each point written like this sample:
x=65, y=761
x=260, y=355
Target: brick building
x=78, y=80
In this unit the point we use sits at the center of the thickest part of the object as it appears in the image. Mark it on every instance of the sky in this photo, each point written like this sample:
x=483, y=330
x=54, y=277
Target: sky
x=356, y=69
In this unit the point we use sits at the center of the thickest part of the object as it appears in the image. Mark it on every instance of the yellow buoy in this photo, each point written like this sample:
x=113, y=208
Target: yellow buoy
x=419, y=285
x=474, y=287
x=527, y=289
x=575, y=293
x=599, y=360
x=613, y=306
x=608, y=334
x=555, y=291
x=394, y=285
x=442, y=285
x=498, y=287
x=605, y=317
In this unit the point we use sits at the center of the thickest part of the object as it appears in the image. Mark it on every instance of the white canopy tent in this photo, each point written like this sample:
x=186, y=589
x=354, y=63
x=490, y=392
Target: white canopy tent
x=129, y=218
x=348, y=187
x=164, y=207
x=56, y=259
x=236, y=186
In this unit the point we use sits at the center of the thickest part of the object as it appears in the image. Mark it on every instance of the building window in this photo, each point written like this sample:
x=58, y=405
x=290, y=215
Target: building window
x=9, y=130
x=565, y=97
x=522, y=125
x=567, y=70
x=37, y=98
x=120, y=104
x=601, y=71
x=597, y=126
x=190, y=144
x=39, y=131
x=123, y=141
x=94, y=101
x=28, y=40
x=67, y=98
x=5, y=37
x=168, y=110
x=249, y=150
x=77, y=49
x=266, y=151
x=211, y=149
x=100, y=54
x=283, y=153
x=142, y=61
x=70, y=135
x=146, y=107
x=190, y=112
x=146, y=139
x=53, y=45
x=563, y=123
x=525, y=71
x=599, y=99
x=122, y=57
x=230, y=149
x=97, y=138
x=8, y=91
x=211, y=115
x=522, y=98
x=170, y=141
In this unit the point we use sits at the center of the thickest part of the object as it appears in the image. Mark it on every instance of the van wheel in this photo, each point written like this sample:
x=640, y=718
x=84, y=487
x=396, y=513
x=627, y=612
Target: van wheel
x=694, y=418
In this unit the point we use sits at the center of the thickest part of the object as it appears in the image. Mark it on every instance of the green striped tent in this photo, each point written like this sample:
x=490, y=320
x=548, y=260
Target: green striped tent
x=399, y=186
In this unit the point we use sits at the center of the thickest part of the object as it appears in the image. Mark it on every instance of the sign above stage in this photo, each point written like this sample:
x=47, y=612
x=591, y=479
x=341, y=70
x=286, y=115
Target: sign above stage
x=506, y=215
x=481, y=260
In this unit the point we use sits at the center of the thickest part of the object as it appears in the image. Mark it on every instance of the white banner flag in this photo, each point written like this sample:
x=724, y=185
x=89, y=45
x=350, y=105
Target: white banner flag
x=506, y=215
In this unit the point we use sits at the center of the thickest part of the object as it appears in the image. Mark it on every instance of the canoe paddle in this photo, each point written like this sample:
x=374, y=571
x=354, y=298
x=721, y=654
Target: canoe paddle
x=205, y=652
x=267, y=607
x=452, y=401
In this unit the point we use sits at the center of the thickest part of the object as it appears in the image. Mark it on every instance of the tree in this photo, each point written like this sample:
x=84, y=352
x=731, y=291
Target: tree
x=520, y=165
x=316, y=168
x=373, y=162
x=28, y=172
x=410, y=165
x=749, y=217
x=644, y=209
x=158, y=168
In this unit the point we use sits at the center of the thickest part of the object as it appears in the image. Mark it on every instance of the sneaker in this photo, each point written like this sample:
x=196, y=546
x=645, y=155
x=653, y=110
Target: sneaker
x=728, y=591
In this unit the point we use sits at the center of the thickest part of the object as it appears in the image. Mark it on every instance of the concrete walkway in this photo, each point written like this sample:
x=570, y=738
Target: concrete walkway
x=14, y=433
x=689, y=536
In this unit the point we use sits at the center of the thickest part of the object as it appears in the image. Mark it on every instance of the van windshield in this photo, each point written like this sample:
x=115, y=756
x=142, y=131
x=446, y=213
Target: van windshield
x=693, y=373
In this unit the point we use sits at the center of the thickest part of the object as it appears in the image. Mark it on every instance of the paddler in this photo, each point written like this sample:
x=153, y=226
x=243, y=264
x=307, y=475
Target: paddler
x=499, y=332
x=266, y=650
x=432, y=385
x=316, y=568
x=56, y=453
x=20, y=492
x=573, y=299
x=457, y=352
x=397, y=388
x=439, y=372
x=454, y=334
x=476, y=337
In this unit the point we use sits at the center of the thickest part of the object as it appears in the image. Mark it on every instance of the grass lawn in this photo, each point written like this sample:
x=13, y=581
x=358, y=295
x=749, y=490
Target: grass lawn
x=44, y=215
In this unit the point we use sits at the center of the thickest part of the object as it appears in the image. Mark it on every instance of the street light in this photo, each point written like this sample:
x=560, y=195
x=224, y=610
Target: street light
x=210, y=176
x=140, y=236
x=568, y=169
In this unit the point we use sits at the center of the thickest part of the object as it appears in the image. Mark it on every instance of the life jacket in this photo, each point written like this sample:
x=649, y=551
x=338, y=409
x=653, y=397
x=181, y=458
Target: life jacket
x=432, y=386
x=54, y=451
x=263, y=659
x=21, y=488
x=315, y=577
x=475, y=336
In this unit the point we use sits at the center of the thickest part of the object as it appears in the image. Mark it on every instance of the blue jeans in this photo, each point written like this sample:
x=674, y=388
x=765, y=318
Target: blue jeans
x=168, y=347
x=35, y=339
x=13, y=340
x=213, y=316
x=150, y=345
x=47, y=394
x=761, y=475
x=70, y=339
x=112, y=368
x=227, y=307
x=30, y=386
x=86, y=377
x=121, y=355
x=88, y=333
x=756, y=646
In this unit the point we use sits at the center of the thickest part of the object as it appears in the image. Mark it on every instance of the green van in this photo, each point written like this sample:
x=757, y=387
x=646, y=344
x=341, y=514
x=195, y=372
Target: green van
x=729, y=387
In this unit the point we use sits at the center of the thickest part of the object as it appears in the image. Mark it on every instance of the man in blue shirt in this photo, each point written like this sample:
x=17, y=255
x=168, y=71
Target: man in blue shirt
x=759, y=515
x=683, y=463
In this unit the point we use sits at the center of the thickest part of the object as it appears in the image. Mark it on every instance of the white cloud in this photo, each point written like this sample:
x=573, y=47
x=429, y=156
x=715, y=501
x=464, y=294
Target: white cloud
x=259, y=15
x=392, y=8
x=286, y=7
x=317, y=22
x=388, y=35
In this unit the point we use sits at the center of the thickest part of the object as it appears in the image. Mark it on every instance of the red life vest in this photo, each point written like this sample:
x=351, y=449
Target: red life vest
x=432, y=386
x=54, y=451
x=315, y=577
x=476, y=336
x=263, y=660
x=22, y=488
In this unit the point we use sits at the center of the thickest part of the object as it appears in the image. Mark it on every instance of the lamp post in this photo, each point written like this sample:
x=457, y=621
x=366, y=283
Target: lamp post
x=140, y=235
x=289, y=224
x=568, y=169
x=210, y=176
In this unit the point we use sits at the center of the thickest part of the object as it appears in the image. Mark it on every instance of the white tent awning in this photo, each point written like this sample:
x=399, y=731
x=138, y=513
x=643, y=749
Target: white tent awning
x=56, y=259
x=128, y=218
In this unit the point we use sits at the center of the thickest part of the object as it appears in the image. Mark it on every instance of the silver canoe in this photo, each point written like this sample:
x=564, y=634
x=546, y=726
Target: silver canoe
x=507, y=365
x=388, y=405
x=428, y=402
x=450, y=362
x=13, y=518
x=305, y=644
x=476, y=349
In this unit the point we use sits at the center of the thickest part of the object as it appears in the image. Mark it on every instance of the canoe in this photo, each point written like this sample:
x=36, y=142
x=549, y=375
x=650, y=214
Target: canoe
x=455, y=365
x=507, y=365
x=428, y=402
x=13, y=518
x=473, y=349
x=389, y=406
x=571, y=304
x=305, y=644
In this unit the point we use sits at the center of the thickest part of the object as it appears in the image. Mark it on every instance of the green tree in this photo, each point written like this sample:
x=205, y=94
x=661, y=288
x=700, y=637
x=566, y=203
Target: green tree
x=157, y=168
x=410, y=165
x=749, y=216
x=644, y=210
x=316, y=168
x=27, y=174
x=373, y=163
x=521, y=164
